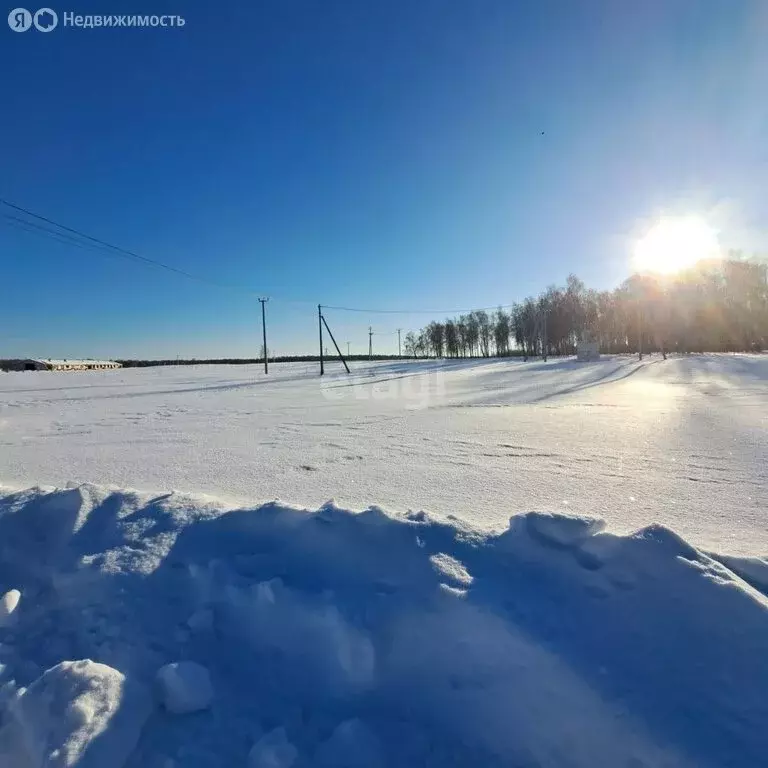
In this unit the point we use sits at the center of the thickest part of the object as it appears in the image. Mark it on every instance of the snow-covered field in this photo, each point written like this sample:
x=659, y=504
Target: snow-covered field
x=167, y=629
x=681, y=442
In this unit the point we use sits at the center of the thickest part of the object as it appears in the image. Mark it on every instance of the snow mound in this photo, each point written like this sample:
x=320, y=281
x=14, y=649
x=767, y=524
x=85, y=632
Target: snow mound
x=560, y=530
x=351, y=745
x=273, y=751
x=342, y=639
x=78, y=713
x=185, y=687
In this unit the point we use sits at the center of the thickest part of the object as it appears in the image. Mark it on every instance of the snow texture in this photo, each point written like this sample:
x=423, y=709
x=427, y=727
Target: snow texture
x=366, y=639
x=185, y=687
x=682, y=442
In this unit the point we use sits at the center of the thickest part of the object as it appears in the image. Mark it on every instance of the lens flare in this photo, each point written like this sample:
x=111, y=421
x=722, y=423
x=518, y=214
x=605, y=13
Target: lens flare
x=673, y=244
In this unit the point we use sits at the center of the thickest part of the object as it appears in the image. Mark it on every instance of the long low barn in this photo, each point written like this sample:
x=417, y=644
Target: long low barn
x=68, y=365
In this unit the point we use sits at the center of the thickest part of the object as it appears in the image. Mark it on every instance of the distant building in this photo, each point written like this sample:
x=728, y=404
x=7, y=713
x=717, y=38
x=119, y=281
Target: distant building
x=60, y=365
x=587, y=351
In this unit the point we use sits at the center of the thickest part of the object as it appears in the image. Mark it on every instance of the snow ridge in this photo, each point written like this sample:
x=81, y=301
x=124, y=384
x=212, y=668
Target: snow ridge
x=324, y=638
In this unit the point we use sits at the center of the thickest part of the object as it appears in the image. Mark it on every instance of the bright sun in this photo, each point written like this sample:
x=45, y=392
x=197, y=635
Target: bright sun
x=674, y=244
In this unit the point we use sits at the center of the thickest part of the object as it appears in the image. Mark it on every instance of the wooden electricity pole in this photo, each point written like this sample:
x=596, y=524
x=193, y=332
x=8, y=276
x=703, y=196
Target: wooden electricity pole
x=320, y=327
x=264, y=332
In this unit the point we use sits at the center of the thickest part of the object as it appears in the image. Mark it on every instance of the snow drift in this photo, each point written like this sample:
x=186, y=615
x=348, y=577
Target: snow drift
x=329, y=638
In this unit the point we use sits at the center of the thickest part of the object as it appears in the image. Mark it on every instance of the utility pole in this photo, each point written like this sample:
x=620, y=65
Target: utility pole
x=347, y=349
x=264, y=332
x=399, y=348
x=370, y=343
x=639, y=331
x=320, y=327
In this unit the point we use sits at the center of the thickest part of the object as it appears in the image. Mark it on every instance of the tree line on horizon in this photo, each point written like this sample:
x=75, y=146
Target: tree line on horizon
x=714, y=306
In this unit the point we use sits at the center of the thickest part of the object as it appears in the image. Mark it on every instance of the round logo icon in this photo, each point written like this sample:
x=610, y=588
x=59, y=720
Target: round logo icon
x=46, y=20
x=19, y=19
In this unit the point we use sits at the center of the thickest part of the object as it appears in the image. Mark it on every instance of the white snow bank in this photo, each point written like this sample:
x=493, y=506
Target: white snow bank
x=79, y=713
x=337, y=639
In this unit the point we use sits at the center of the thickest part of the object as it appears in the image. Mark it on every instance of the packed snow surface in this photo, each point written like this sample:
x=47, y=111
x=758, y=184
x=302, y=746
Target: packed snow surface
x=327, y=638
x=681, y=442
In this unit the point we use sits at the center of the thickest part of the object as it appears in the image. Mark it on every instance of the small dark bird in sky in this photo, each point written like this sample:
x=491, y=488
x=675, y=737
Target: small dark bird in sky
x=542, y=133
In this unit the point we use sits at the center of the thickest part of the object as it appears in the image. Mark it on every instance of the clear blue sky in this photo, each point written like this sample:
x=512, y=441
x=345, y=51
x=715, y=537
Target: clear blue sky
x=372, y=154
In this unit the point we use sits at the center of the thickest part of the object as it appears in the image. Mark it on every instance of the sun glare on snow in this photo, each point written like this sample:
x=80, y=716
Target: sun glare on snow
x=673, y=244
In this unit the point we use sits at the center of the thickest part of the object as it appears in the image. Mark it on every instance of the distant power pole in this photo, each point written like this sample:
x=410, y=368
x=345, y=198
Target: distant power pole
x=264, y=332
x=370, y=342
x=399, y=348
x=320, y=328
x=347, y=349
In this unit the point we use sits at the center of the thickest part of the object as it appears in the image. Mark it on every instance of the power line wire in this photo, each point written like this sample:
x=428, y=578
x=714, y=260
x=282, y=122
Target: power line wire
x=69, y=236
x=418, y=311
x=62, y=237
x=95, y=243
x=124, y=252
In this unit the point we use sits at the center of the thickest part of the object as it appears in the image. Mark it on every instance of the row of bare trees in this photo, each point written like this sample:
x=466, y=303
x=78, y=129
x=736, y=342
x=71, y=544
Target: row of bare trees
x=715, y=306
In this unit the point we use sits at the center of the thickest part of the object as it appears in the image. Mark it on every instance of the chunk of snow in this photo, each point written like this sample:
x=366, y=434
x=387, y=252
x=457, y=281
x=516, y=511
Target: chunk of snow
x=667, y=541
x=290, y=622
x=754, y=570
x=185, y=686
x=351, y=745
x=78, y=713
x=201, y=621
x=562, y=530
x=447, y=589
x=451, y=568
x=8, y=604
x=273, y=750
